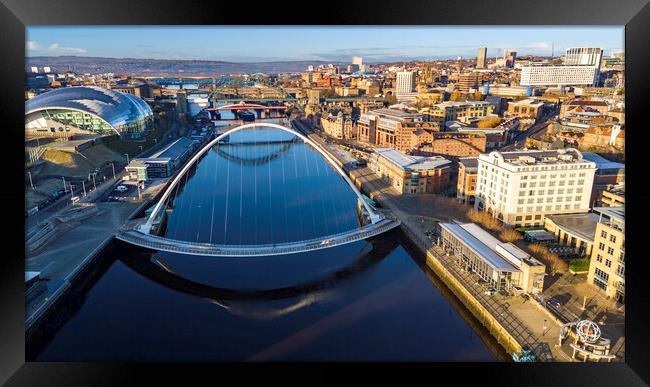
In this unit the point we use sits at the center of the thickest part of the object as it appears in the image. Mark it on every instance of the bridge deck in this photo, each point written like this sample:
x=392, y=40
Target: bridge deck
x=155, y=242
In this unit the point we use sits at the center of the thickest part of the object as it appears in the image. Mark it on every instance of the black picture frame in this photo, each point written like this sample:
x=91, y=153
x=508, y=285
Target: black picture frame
x=15, y=15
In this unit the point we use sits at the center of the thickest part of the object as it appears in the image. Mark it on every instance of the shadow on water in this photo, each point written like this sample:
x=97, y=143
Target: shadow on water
x=420, y=259
x=142, y=261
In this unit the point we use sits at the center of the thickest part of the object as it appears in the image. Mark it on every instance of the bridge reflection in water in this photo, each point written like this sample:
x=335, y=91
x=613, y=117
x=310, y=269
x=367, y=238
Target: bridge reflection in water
x=261, y=303
x=151, y=232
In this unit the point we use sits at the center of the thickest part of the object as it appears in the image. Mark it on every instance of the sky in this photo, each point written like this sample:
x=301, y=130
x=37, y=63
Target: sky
x=312, y=43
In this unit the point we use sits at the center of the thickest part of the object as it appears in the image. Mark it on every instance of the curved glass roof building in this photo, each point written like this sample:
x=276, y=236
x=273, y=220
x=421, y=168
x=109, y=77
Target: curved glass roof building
x=88, y=109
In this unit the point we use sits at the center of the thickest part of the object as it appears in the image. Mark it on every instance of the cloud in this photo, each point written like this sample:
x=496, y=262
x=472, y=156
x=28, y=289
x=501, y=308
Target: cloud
x=57, y=48
x=53, y=48
x=540, y=45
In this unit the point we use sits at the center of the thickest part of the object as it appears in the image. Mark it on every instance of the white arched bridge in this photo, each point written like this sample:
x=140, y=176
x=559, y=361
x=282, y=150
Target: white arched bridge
x=142, y=232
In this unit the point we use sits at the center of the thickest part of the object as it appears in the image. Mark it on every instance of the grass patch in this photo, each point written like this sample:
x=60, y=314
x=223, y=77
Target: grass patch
x=580, y=264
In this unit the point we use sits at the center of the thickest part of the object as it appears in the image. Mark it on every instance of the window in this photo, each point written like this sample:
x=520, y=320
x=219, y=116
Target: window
x=538, y=217
x=520, y=201
x=608, y=263
x=601, y=274
x=522, y=185
x=610, y=250
x=612, y=238
x=559, y=198
x=540, y=192
x=550, y=192
x=599, y=258
x=540, y=200
x=560, y=191
x=549, y=199
x=577, y=198
x=603, y=234
x=601, y=246
x=518, y=218
x=531, y=200
x=529, y=217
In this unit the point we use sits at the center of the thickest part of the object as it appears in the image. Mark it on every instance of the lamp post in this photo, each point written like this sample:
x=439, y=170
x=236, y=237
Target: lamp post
x=30, y=179
x=113, y=165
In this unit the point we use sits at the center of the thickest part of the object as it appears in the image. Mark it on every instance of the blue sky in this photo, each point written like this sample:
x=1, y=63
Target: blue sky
x=259, y=44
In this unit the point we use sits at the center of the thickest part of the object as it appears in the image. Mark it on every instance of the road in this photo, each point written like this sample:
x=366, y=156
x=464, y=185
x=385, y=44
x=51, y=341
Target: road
x=520, y=139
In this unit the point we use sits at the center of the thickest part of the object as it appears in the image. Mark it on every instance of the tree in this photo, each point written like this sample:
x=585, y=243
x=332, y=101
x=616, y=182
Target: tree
x=489, y=122
x=391, y=99
x=510, y=235
x=456, y=96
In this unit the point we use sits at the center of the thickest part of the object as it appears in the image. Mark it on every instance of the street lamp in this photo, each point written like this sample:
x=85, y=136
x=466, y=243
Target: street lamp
x=30, y=179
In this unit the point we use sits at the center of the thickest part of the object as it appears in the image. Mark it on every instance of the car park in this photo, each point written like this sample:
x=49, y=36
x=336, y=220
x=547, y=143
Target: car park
x=121, y=188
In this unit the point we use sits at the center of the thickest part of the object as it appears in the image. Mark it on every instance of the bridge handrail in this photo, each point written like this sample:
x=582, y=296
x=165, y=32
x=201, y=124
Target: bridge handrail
x=161, y=243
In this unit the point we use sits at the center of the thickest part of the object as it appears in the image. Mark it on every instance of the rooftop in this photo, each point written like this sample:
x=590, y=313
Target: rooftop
x=481, y=242
x=394, y=113
x=581, y=225
x=175, y=149
x=411, y=163
x=617, y=213
x=469, y=162
x=601, y=162
x=538, y=157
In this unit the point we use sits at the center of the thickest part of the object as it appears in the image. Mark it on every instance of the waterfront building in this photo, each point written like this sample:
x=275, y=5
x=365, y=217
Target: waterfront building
x=161, y=164
x=411, y=174
x=503, y=266
x=542, y=74
x=338, y=126
x=607, y=265
x=481, y=58
x=573, y=230
x=88, y=109
x=527, y=108
x=449, y=111
x=522, y=187
x=467, y=176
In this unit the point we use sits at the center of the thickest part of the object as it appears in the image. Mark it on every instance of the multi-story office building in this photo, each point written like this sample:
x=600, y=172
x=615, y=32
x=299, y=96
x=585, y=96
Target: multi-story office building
x=411, y=174
x=357, y=60
x=467, y=82
x=542, y=74
x=583, y=105
x=522, y=187
x=450, y=111
x=607, y=266
x=405, y=86
x=467, y=175
x=614, y=196
x=510, y=57
x=481, y=58
x=384, y=127
x=585, y=56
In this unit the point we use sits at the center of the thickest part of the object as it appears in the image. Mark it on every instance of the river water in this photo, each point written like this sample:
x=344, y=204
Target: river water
x=369, y=300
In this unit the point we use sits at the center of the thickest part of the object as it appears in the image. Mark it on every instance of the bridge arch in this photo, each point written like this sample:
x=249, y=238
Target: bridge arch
x=146, y=227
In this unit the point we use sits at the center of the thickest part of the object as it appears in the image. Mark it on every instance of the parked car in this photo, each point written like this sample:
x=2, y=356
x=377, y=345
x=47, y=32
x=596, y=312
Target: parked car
x=121, y=188
x=555, y=302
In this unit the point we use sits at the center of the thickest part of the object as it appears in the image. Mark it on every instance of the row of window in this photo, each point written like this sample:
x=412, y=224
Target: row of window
x=558, y=207
x=561, y=183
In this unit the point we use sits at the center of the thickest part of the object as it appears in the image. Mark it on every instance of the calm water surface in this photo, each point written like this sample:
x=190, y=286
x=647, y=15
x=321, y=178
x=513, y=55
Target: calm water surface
x=368, y=300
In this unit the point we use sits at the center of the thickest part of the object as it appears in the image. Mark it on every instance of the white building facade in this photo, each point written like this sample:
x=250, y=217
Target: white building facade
x=586, y=56
x=522, y=187
x=562, y=75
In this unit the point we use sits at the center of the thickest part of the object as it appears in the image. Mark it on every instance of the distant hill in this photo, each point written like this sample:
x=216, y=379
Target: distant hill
x=162, y=67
